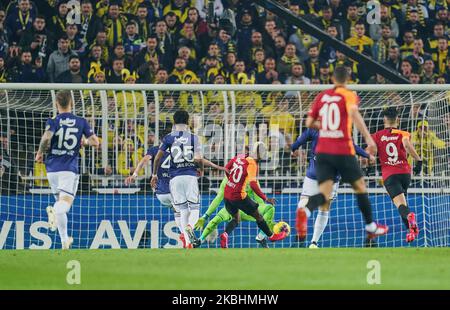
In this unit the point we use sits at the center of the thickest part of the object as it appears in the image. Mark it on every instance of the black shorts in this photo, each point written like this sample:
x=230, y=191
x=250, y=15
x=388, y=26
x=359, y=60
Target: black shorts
x=247, y=205
x=397, y=184
x=328, y=166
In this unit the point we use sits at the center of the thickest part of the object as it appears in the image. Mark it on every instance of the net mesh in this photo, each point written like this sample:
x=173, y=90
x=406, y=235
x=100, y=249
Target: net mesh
x=107, y=213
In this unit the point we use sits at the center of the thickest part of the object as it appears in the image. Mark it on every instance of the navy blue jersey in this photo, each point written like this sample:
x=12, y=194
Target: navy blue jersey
x=162, y=187
x=182, y=147
x=312, y=135
x=64, y=152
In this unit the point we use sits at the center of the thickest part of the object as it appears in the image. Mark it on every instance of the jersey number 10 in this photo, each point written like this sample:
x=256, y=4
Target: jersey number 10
x=331, y=117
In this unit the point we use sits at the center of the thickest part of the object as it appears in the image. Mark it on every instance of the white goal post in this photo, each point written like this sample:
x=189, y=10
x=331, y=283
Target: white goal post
x=131, y=118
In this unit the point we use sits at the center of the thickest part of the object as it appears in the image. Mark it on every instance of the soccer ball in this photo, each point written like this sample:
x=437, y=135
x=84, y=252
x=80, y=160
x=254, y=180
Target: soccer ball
x=282, y=226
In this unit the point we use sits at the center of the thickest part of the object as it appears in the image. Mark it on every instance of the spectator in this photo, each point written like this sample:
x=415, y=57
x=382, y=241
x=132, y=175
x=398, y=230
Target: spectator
x=440, y=55
x=418, y=57
x=90, y=23
x=238, y=72
x=145, y=24
x=381, y=47
x=100, y=40
x=324, y=73
x=415, y=22
x=386, y=19
x=161, y=76
x=38, y=40
x=128, y=158
x=179, y=8
x=269, y=75
x=393, y=60
x=26, y=71
x=114, y=75
x=200, y=26
x=349, y=23
x=74, y=74
x=132, y=42
x=428, y=75
x=165, y=44
x=414, y=77
x=359, y=41
x=3, y=73
x=432, y=41
x=425, y=142
x=287, y=60
x=297, y=75
x=114, y=24
x=302, y=43
x=328, y=52
x=58, y=21
x=75, y=43
x=20, y=20
x=408, y=44
x=95, y=58
x=406, y=68
x=188, y=38
x=312, y=63
x=59, y=59
x=180, y=75
x=283, y=120
x=173, y=23
x=244, y=35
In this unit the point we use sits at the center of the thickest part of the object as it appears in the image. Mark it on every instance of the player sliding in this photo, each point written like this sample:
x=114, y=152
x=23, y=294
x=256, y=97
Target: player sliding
x=162, y=186
x=243, y=171
x=61, y=142
x=266, y=210
x=332, y=113
x=185, y=153
x=310, y=186
x=393, y=145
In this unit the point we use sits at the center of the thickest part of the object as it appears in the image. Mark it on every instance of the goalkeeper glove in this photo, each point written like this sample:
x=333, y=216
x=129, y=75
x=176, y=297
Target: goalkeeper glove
x=418, y=168
x=200, y=223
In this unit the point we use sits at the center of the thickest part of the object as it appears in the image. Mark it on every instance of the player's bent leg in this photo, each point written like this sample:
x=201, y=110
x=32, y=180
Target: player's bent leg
x=373, y=229
x=235, y=219
x=222, y=216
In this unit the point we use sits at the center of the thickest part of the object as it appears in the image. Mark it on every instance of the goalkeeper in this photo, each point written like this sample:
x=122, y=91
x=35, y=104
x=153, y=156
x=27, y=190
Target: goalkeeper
x=266, y=210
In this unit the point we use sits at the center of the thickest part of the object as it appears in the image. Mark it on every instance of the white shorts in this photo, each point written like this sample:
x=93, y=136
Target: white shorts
x=184, y=190
x=165, y=199
x=64, y=183
x=311, y=188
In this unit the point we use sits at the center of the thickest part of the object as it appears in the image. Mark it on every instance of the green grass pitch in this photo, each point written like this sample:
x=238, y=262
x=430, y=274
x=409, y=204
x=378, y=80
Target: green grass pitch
x=401, y=268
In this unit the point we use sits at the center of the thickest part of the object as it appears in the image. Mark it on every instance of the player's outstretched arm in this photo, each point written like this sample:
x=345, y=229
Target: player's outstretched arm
x=203, y=162
x=44, y=145
x=311, y=122
x=156, y=164
x=412, y=151
x=93, y=141
x=139, y=166
x=362, y=128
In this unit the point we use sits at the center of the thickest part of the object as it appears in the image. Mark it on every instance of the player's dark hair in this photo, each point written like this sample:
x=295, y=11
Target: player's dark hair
x=390, y=113
x=340, y=75
x=64, y=98
x=181, y=117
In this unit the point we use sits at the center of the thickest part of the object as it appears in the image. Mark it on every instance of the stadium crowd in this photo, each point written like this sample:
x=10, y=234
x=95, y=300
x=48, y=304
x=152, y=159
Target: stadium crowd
x=180, y=41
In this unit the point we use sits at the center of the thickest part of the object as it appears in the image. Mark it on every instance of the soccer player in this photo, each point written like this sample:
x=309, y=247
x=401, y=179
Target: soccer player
x=393, y=146
x=332, y=114
x=185, y=153
x=310, y=186
x=162, y=186
x=61, y=142
x=243, y=171
x=266, y=210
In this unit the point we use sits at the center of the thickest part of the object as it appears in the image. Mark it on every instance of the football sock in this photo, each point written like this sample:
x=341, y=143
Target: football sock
x=364, y=206
x=178, y=221
x=264, y=227
x=404, y=211
x=194, y=215
x=319, y=225
x=231, y=226
x=61, y=208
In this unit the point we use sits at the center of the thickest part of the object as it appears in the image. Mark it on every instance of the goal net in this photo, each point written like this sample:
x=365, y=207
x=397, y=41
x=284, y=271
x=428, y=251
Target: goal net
x=131, y=118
